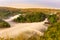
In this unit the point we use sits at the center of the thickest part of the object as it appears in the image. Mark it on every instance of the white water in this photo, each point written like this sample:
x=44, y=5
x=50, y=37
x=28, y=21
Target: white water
x=11, y=18
x=18, y=28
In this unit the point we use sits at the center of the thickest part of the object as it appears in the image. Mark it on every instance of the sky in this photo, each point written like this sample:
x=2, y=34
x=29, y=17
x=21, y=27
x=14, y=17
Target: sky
x=31, y=3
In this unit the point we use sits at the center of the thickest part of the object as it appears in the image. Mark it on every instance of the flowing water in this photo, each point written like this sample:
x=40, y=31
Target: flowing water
x=18, y=28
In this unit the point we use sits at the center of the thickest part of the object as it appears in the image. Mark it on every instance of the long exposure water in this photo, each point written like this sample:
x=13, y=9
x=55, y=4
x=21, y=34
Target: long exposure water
x=17, y=28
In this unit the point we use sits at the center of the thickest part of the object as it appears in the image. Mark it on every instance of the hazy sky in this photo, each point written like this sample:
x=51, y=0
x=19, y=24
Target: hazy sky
x=31, y=3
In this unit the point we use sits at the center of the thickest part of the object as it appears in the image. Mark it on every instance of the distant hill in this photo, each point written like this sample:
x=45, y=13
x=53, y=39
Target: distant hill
x=45, y=10
x=6, y=12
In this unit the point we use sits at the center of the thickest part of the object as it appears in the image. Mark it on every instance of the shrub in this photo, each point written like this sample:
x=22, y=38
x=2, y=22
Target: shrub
x=4, y=24
x=52, y=18
x=53, y=32
x=34, y=17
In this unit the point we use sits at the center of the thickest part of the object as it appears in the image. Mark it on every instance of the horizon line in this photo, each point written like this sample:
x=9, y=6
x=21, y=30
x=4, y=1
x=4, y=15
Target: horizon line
x=30, y=7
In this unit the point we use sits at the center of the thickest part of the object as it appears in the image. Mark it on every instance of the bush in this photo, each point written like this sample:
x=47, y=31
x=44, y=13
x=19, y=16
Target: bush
x=52, y=18
x=4, y=24
x=34, y=17
x=53, y=32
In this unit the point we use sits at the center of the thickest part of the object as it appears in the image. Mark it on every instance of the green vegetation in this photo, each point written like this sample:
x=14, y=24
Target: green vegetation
x=4, y=24
x=33, y=15
x=53, y=32
x=28, y=17
x=6, y=12
x=52, y=18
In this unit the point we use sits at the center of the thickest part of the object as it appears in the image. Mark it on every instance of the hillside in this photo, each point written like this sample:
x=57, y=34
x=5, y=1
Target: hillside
x=6, y=12
x=30, y=24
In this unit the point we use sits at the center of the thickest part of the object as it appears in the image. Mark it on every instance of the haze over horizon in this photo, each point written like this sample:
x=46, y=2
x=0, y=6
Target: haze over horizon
x=30, y=3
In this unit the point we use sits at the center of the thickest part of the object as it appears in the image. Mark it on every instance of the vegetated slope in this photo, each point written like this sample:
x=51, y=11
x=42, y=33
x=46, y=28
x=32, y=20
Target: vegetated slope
x=4, y=24
x=28, y=17
x=53, y=31
x=44, y=10
x=8, y=11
